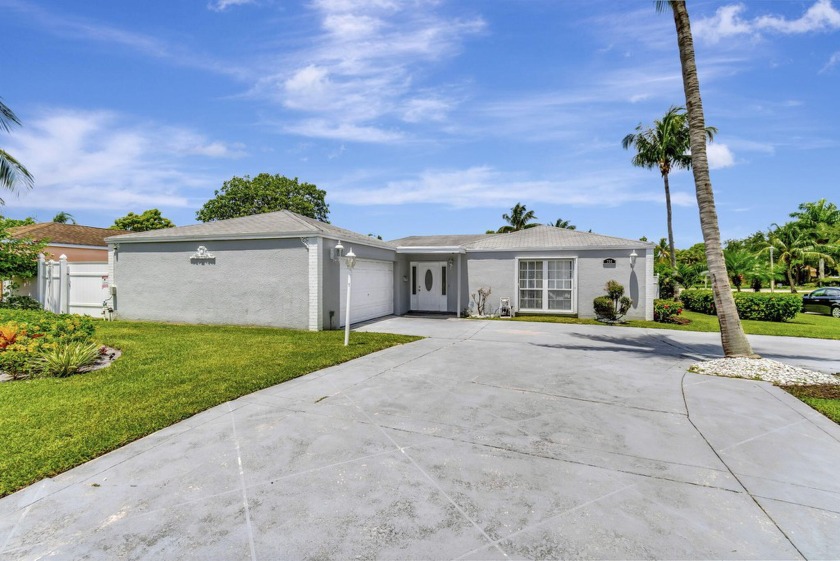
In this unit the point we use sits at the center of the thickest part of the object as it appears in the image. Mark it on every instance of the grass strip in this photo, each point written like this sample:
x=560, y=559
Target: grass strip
x=167, y=373
x=803, y=325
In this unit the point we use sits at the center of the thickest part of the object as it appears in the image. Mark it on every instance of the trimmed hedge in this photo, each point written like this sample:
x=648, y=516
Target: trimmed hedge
x=759, y=306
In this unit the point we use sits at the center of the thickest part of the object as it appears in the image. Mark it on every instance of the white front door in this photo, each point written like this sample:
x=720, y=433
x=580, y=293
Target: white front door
x=429, y=280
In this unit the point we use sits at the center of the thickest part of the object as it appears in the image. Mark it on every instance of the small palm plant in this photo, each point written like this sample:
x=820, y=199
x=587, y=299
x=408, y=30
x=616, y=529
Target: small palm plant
x=64, y=360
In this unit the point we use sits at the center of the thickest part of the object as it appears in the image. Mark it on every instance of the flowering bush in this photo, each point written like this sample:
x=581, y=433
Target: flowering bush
x=27, y=335
x=664, y=311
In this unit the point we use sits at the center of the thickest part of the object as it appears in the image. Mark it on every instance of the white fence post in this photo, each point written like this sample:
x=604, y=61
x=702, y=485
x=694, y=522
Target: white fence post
x=64, y=286
x=42, y=280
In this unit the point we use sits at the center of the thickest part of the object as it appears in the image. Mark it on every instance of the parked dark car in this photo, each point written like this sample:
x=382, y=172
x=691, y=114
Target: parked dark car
x=823, y=301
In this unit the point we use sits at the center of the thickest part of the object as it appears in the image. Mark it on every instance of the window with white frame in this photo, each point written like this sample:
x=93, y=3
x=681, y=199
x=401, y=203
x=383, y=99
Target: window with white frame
x=546, y=284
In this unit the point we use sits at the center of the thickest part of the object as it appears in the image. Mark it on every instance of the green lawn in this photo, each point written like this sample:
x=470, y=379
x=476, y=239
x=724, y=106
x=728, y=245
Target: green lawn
x=825, y=399
x=803, y=325
x=167, y=373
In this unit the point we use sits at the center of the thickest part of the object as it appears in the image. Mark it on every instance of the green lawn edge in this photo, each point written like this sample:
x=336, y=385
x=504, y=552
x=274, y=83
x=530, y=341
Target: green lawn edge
x=803, y=325
x=167, y=373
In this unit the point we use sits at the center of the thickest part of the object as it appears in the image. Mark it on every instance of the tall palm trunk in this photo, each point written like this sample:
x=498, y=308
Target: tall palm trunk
x=732, y=336
x=671, y=249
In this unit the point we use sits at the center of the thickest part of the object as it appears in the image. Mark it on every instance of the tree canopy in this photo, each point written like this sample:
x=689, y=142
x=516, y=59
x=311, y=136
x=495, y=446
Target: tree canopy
x=63, y=218
x=149, y=220
x=12, y=172
x=18, y=257
x=243, y=196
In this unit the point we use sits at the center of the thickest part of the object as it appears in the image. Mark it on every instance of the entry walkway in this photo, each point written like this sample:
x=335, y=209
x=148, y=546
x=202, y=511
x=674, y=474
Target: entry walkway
x=487, y=440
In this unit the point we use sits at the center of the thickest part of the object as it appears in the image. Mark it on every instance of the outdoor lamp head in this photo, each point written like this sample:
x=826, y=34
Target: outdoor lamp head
x=350, y=259
x=633, y=257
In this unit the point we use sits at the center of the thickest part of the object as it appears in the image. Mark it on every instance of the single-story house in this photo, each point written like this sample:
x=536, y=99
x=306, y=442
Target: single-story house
x=78, y=243
x=282, y=269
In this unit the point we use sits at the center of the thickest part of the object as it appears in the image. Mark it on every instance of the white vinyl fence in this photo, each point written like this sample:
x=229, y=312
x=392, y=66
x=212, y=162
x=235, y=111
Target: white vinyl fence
x=74, y=288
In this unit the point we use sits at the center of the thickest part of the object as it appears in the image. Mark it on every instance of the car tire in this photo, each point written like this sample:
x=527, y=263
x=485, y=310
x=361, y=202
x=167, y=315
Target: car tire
x=835, y=312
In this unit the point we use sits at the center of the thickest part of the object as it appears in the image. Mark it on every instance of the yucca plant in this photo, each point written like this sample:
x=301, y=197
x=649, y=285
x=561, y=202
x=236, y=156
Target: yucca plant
x=64, y=360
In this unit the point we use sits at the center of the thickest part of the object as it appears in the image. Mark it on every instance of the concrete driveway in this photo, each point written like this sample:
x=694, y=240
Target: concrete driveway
x=488, y=440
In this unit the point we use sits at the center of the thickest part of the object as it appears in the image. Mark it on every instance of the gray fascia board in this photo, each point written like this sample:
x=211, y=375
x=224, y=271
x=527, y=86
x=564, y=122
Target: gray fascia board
x=556, y=248
x=412, y=249
x=115, y=240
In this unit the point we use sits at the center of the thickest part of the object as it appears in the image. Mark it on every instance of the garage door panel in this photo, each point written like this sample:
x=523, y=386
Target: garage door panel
x=373, y=290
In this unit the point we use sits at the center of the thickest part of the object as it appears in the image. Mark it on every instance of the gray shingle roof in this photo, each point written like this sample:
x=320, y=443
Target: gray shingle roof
x=286, y=224
x=549, y=237
x=539, y=237
x=437, y=241
x=281, y=224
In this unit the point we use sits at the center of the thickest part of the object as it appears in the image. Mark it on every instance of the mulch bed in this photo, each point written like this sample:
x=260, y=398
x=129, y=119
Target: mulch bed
x=824, y=391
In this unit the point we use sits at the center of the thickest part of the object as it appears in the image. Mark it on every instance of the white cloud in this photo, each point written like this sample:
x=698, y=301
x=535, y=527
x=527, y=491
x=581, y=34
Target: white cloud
x=719, y=156
x=728, y=21
x=832, y=62
x=100, y=159
x=485, y=186
x=364, y=69
x=222, y=5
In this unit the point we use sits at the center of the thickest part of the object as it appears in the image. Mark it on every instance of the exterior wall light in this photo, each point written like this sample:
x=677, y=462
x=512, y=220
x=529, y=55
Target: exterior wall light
x=633, y=257
x=338, y=251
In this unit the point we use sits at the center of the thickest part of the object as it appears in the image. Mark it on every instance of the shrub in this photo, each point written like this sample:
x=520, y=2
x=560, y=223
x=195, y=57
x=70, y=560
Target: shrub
x=19, y=303
x=751, y=305
x=35, y=332
x=612, y=307
x=664, y=311
x=64, y=359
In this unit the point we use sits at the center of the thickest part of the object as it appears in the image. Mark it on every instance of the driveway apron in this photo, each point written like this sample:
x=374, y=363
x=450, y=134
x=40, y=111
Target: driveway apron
x=486, y=440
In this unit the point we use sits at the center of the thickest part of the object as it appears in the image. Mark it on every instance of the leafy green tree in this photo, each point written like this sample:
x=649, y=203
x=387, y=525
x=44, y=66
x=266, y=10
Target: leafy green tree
x=149, y=220
x=13, y=222
x=665, y=145
x=18, y=256
x=733, y=339
x=63, y=218
x=12, y=172
x=243, y=196
x=519, y=219
x=560, y=223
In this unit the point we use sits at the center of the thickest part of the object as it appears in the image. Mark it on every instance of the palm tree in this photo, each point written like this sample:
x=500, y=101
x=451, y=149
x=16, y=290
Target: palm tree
x=740, y=264
x=795, y=248
x=560, y=223
x=733, y=339
x=518, y=219
x=665, y=146
x=63, y=218
x=12, y=172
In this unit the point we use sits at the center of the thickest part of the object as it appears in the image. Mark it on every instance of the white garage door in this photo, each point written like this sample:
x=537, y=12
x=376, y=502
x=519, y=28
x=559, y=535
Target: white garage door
x=373, y=290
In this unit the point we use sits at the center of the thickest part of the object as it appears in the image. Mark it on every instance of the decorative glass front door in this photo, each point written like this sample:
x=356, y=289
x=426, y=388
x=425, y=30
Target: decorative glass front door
x=428, y=286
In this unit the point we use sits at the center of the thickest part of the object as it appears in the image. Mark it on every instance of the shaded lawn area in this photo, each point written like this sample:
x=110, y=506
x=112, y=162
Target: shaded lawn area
x=167, y=373
x=803, y=325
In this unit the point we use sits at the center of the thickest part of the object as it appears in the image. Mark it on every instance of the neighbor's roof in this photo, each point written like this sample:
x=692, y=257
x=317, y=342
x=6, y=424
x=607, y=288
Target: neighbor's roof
x=280, y=224
x=70, y=234
x=539, y=237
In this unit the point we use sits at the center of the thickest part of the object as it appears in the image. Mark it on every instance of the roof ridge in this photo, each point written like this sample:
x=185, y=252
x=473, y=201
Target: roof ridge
x=301, y=220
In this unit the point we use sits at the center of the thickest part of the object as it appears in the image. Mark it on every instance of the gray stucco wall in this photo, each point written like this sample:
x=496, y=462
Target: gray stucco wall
x=251, y=282
x=497, y=270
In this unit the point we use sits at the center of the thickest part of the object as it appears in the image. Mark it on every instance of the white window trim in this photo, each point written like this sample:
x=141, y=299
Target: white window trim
x=544, y=258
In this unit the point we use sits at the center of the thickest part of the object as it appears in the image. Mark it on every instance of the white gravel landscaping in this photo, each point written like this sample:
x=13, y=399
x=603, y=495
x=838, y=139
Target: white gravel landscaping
x=763, y=369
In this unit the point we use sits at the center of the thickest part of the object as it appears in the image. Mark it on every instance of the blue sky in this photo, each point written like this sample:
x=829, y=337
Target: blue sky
x=418, y=116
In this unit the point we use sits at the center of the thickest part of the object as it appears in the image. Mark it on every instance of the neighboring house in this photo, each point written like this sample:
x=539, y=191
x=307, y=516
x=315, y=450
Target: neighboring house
x=80, y=285
x=282, y=269
x=78, y=243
